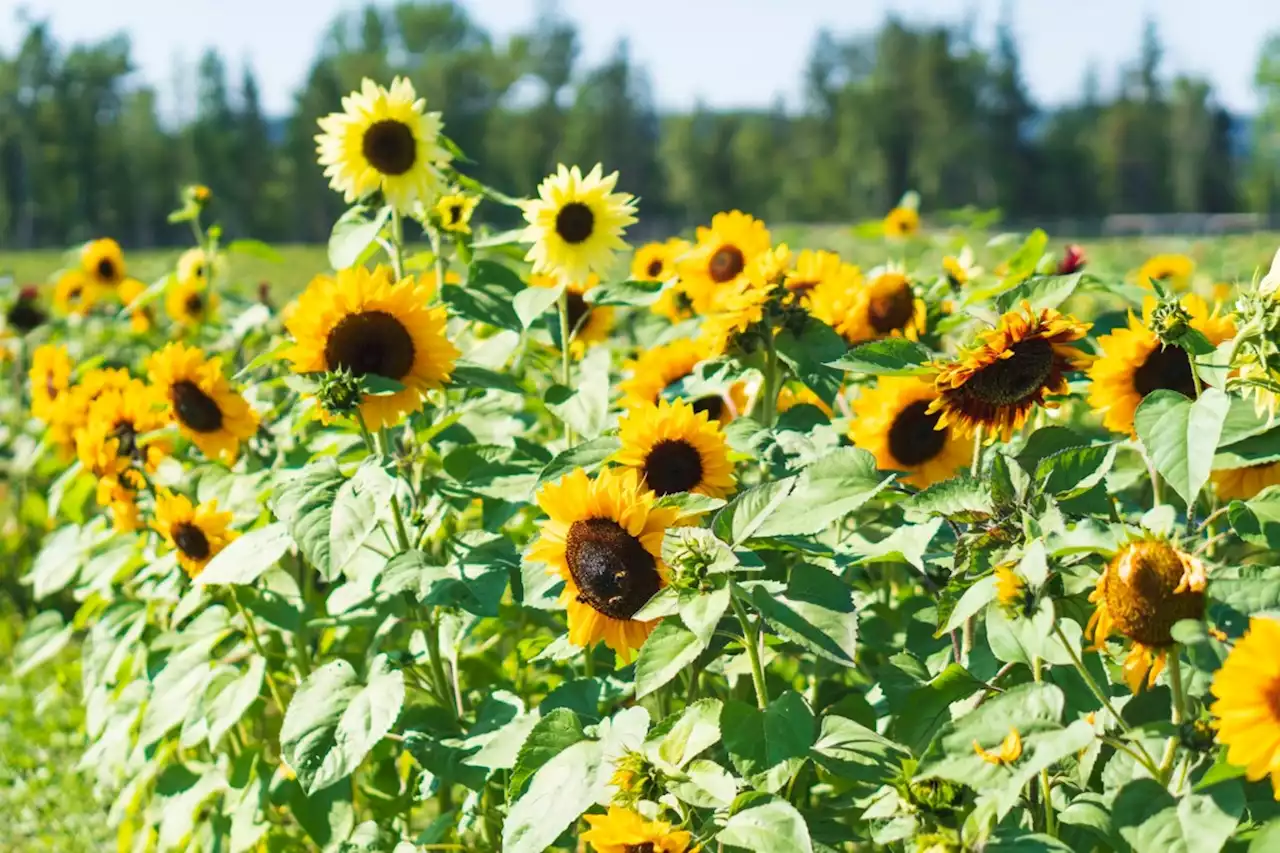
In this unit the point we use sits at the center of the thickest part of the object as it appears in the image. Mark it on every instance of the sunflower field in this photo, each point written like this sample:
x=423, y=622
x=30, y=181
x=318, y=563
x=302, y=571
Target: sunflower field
x=524, y=540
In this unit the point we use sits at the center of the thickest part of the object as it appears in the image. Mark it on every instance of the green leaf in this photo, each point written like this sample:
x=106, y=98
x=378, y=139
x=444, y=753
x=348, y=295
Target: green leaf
x=586, y=408
x=304, y=502
x=826, y=490
x=58, y=562
x=234, y=700
x=45, y=636
x=1148, y=817
x=532, y=302
x=669, y=649
x=357, y=508
x=248, y=556
x=353, y=240
x=696, y=729
x=768, y=747
x=855, y=752
x=808, y=354
x=887, y=357
x=775, y=827
x=1255, y=450
x=255, y=249
x=553, y=734
x=1045, y=442
x=488, y=295
x=963, y=499
x=638, y=293
x=922, y=709
x=184, y=675
x=474, y=376
x=816, y=611
x=1042, y=291
x=744, y=515
x=1075, y=469
x=1180, y=436
x=588, y=455
x=701, y=611
x=334, y=721
x=975, y=598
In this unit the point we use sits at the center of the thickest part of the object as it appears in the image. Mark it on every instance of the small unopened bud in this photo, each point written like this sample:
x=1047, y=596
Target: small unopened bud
x=340, y=392
x=1073, y=259
x=1170, y=321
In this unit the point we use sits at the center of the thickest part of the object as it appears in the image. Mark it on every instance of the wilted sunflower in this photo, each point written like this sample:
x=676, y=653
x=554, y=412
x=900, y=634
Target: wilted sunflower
x=383, y=140
x=675, y=449
x=901, y=222
x=103, y=262
x=74, y=294
x=140, y=319
x=1133, y=362
x=893, y=421
x=1173, y=271
x=1146, y=588
x=721, y=255
x=1248, y=707
x=820, y=268
x=576, y=223
x=188, y=302
x=1009, y=750
x=604, y=539
x=996, y=382
x=454, y=211
x=625, y=831
x=658, y=368
x=200, y=400
x=365, y=323
x=50, y=375
x=111, y=439
x=119, y=494
x=1244, y=483
x=197, y=532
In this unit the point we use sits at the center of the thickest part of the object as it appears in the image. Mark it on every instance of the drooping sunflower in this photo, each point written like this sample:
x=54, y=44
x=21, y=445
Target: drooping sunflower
x=140, y=318
x=885, y=307
x=74, y=294
x=111, y=439
x=997, y=381
x=454, y=212
x=901, y=222
x=576, y=223
x=188, y=302
x=1173, y=271
x=721, y=255
x=894, y=422
x=820, y=269
x=103, y=262
x=675, y=449
x=365, y=323
x=737, y=306
x=198, y=398
x=50, y=376
x=604, y=538
x=1133, y=362
x=198, y=532
x=384, y=139
x=1244, y=483
x=1248, y=705
x=1147, y=587
x=625, y=831
x=119, y=494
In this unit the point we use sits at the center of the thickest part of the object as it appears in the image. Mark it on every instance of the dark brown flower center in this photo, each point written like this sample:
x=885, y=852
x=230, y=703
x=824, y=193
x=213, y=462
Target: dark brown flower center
x=713, y=406
x=107, y=269
x=801, y=286
x=127, y=436
x=1167, y=367
x=390, y=147
x=194, y=304
x=672, y=466
x=198, y=271
x=455, y=214
x=1014, y=379
x=191, y=540
x=579, y=311
x=1140, y=595
x=891, y=309
x=654, y=269
x=575, y=222
x=370, y=342
x=913, y=440
x=646, y=847
x=727, y=264
x=195, y=409
x=613, y=571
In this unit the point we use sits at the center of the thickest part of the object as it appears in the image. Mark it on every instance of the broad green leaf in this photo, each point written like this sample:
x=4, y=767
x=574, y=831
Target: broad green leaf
x=588, y=455
x=1180, y=436
x=248, y=556
x=1042, y=291
x=669, y=649
x=826, y=490
x=359, y=505
x=701, y=611
x=744, y=515
x=887, y=357
x=586, y=408
x=1257, y=521
x=963, y=499
x=975, y=598
x=532, y=302
x=1260, y=449
x=1045, y=442
x=474, y=376
x=352, y=241
x=817, y=612
x=255, y=249
x=184, y=675
x=234, y=700
x=807, y=355
x=555, y=732
x=44, y=637
x=58, y=562
x=1075, y=469
x=488, y=295
x=923, y=709
x=696, y=729
x=1148, y=817
x=639, y=293
x=304, y=502
x=768, y=747
x=775, y=827
x=853, y=751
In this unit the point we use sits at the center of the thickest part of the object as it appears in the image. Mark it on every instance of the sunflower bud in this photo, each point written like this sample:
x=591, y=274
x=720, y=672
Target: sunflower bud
x=339, y=392
x=636, y=779
x=1197, y=735
x=1170, y=321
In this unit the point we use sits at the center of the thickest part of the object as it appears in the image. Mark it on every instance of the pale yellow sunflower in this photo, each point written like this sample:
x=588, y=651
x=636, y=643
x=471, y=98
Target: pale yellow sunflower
x=454, y=212
x=576, y=223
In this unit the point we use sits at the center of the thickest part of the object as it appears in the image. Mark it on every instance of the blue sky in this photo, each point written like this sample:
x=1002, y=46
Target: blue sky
x=724, y=52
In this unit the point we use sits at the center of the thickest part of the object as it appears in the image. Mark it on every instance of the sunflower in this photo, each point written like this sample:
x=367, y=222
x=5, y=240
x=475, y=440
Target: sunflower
x=103, y=262
x=1009, y=585
x=50, y=376
x=383, y=140
x=111, y=439
x=1244, y=483
x=454, y=211
x=657, y=261
x=588, y=324
x=657, y=369
x=198, y=532
x=737, y=306
x=366, y=323
x=625, y=831
x=894, y=422
x=199, y=399
x=1173, y=271
x=576, y=223
x=996, y=382
x=74, y=294
x=794, y=394
x=140, y=318
x=1133, y=362
x=193, y=267
x=885, y=307
x=960, y=269
x=604, y=539
x=1009, y=750
x=675, y=449
x=721, y=256
x=188, y=302
x=119, y=494
x=901, y=222
x=1146, y=588
x=1248, y=707
x=820, y=269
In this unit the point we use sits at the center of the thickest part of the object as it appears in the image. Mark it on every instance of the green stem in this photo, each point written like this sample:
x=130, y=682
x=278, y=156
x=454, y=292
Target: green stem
x=1179, y=702
x=772, y=383
x=1088, y=678
x=1046, y=791
x=402, y=535
x=397, y=243
x=976, y=465
x=438, y=259
x=751, y=639
x=252, y=630
x=565, y=361
x=438, y=674
x=1155, y=481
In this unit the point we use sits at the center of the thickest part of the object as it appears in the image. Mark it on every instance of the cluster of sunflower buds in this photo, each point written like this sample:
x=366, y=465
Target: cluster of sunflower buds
x=1255, y=356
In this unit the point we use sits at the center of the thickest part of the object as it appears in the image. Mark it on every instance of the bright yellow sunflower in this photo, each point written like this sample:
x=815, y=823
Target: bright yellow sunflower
x=721, y=256
x=625, y=831
x=901, y=222
x=1010, y=587
x=576, y=223
x=604, y=538
x=103, y=262
x=1244, y=483
x=140, y=319
x=111, y=439
x=188, y=301
x=1133, y=362
x=654, y=370
x=960, y=269
x=1173, y=271
x=198, y=398
x=815, y=269
x=366, y=323
x=675, y=449
x=794, y=394
x=197, y=532
x=74, y=294
x=454, y=212
x=885, y=307
x=1147, y=587
x=50, y=375
x=383, y=140
x=1008, y=751
x=1248, y=707
x=997, y=381
x=738, y=305
x=119, y=494
x=894, y=422
x=657, y=261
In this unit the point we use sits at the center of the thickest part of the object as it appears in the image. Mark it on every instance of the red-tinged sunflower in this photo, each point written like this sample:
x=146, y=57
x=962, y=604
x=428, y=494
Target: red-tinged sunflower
x=140, y=317
x=198, y=398
x=1172, y=271
x=894, y=422
x=604, y=538
x=1248, y=704
x=1146, y=588
x=816, y=269
x=119, y=494
x=112, y=437
x=675, y=449
x=189, y=302
x=625, y=831
x=901, y=222
x=576, y=223
x=1244, y=483
x=50, y=375
x=198, y=532
x=996, y=382
x=721, y=255
x=74, y=294
x=365, y=323
x=1133, y=362
x=102, y=262
x=655, y=370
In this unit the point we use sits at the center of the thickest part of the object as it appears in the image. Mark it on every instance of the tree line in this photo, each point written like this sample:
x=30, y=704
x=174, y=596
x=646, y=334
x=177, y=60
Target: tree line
x=85, y=151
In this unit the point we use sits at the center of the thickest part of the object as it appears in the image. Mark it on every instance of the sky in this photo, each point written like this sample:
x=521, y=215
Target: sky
x=725, y=53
